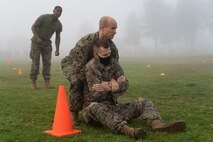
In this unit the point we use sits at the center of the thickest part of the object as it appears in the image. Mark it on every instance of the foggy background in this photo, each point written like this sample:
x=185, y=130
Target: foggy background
x=145, y=27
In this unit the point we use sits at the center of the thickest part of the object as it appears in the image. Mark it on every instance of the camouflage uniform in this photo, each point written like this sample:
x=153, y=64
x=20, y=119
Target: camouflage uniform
x=73, y=67
x=45, y=32
x=102, y=107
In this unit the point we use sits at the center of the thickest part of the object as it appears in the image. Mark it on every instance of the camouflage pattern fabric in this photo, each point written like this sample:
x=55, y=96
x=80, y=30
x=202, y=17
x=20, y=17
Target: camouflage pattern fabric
x=73, y=67
x=45, y=31
x=45, y=50
x=66, y=66
x=96, y=72
x=115, y=116
x=102, y=107
x=76, y=100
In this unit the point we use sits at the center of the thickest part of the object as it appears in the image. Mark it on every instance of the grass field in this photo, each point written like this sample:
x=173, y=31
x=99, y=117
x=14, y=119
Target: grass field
x=185, y=92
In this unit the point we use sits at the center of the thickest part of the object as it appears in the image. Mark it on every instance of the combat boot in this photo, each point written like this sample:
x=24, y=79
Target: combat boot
x=136, y=133
x=171, y=127
x=47, y=85
x=34, y=86
x=75, y=118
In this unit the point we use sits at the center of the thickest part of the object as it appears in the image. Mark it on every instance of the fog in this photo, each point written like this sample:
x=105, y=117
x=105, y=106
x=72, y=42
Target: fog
x=145, y=27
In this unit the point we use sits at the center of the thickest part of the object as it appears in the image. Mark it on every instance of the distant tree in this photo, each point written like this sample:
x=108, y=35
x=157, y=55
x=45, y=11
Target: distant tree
x=159, y=22
x=85, y=28
x=17, y=46
x=188, y=19
x=207, y=15
x=133, y=32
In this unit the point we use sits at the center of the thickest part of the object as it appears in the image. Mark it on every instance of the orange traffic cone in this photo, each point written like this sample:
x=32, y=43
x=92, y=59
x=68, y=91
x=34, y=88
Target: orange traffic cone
x=62, y=124
x=19, y=71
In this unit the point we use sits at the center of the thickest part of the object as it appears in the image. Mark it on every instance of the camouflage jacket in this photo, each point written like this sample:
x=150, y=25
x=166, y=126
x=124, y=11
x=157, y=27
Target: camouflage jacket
x=81, y=54
x=96, y=72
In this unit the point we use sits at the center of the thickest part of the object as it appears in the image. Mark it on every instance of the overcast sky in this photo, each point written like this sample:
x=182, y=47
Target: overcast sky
x=79, y=17
x=17, y=17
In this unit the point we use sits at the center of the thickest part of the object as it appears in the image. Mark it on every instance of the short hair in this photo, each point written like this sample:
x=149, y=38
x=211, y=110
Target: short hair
x=101, y=43
x=103, y=22
x=56, y=7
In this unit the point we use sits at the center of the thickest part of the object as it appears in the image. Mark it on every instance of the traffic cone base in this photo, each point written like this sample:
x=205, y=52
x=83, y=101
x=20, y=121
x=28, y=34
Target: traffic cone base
x=62, y=124
x=60, y=134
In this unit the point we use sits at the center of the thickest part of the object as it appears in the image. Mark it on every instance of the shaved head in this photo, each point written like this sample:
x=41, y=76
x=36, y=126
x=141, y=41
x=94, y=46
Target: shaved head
x=105, y=20
x=107, y=27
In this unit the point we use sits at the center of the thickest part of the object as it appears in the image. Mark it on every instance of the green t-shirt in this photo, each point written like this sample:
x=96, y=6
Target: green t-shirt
x=47, y=27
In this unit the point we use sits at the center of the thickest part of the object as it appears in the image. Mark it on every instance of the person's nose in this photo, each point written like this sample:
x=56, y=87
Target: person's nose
x=114, y=32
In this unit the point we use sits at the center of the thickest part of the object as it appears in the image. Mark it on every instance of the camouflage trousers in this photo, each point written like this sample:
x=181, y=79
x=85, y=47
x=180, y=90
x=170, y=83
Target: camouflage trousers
x=115, y=116
x=76, y=96
x=76, y=85
x=45, y=52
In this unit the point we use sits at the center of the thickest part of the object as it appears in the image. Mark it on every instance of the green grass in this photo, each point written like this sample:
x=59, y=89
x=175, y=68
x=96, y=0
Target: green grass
x=184, y=93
